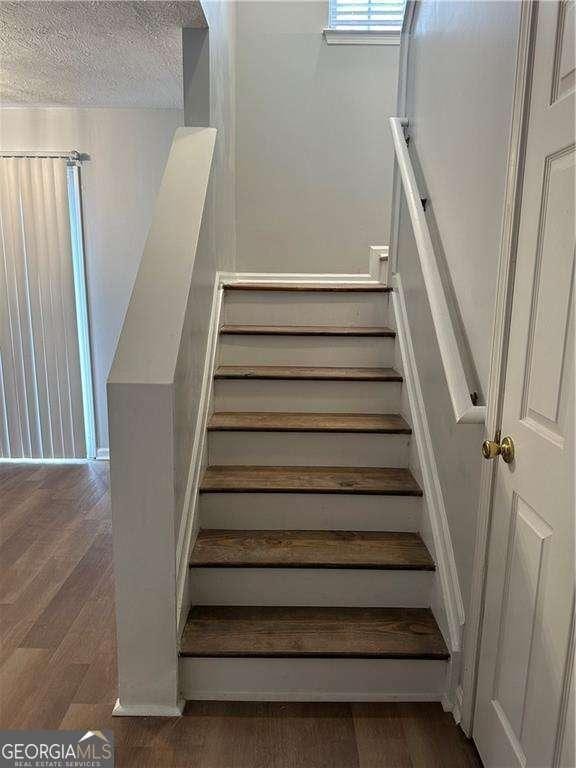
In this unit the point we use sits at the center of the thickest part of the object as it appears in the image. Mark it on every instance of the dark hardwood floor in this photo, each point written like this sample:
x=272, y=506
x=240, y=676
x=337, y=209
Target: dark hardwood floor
x=57, y=656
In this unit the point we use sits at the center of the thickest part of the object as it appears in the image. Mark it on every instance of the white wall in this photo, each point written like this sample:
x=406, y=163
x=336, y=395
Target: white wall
x=221, y=16
x=460, y=92
x=128, y=149
x=462, y=59
x=314, y=155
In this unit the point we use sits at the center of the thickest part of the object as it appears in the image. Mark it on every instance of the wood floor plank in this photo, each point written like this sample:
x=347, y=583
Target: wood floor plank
x=266, y=735
x=303, y=632
x=46, y=708
x=354, y=480
x=238, y=421
x=216, y=548
x=56, y=619
x=377, y=724
x=67, y=543
x=19, y=677
x=232, y=329
x=92, y=631
x=433, y=742
x=416, y=734
x=99, y=683
x=304, y=373
x=19, y=509
x=303, y=287
x=17, y=619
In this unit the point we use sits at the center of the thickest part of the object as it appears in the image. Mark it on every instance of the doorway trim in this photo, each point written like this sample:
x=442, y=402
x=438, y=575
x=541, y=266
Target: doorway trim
x=499, y=351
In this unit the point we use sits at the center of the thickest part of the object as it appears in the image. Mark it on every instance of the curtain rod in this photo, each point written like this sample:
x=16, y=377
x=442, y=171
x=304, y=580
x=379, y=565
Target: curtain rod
x=73, y=156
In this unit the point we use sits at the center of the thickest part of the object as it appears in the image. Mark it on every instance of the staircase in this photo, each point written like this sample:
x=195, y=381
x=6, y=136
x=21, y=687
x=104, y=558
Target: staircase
x=309, y=579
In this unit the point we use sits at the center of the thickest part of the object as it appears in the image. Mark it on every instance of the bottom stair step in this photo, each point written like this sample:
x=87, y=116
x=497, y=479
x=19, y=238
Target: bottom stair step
x=303, y=632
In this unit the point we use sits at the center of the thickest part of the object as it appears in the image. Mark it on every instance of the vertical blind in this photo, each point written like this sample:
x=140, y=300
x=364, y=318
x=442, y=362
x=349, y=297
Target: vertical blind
x=41, y=406
x=367, y=14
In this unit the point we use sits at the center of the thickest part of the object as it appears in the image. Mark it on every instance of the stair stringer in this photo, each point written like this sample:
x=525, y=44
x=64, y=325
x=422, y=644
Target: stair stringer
x=446, y=601
x=189, y=518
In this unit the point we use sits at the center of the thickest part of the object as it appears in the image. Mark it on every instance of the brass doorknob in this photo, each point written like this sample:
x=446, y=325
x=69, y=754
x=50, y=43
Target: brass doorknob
x=492, y=448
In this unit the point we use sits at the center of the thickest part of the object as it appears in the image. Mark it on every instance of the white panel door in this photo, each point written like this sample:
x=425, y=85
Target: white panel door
x=527, y=644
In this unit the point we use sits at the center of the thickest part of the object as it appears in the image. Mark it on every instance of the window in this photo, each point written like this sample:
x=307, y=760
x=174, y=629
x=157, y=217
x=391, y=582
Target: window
x=365, y=21
x=366, y=14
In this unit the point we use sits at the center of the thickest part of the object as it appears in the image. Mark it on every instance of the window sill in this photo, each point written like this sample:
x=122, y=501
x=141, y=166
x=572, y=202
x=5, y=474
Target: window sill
x=335, y=36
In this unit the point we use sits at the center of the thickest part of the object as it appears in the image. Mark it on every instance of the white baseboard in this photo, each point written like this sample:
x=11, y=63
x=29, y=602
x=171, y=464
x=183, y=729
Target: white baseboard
x=147, y=710
x=457, y=707
x=452, y=701
x=102, y=454
x=188, y=520
x=446, y=564
x=5, y=460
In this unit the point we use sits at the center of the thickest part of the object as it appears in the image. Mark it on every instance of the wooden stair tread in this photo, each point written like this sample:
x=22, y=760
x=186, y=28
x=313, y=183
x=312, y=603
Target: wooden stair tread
x=283, y=631
x=353, y=480
x=378, y=550
x=235, y=421
x=294, y=372
x=316, y=287
x=306, y=330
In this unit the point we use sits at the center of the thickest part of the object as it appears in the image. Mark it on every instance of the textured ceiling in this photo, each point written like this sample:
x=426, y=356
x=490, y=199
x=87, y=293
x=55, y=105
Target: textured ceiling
x=113, y=54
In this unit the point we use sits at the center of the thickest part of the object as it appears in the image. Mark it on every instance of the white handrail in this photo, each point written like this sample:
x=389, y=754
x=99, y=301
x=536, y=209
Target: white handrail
x=464, y=411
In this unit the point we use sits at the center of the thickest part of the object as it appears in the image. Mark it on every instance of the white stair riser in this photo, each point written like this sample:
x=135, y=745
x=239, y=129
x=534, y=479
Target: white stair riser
x=311, y=587
x=306, y=350
x=295, y=308
x=312, y=679
x=284, y=449
x=307, y=396
x=301, y=511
